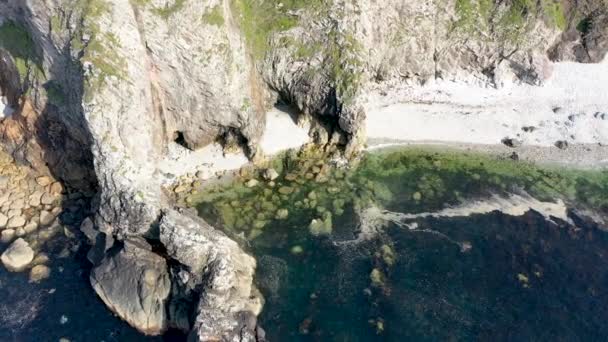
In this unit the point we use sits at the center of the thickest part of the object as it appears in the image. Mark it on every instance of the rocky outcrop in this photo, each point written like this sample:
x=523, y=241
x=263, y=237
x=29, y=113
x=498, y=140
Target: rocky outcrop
x=134, y=283
x=229, y=303
x=102, y=88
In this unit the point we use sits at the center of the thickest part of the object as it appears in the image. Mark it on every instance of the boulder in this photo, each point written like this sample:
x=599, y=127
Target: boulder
x=134, y=283
x=222, y=273
x=17, y=256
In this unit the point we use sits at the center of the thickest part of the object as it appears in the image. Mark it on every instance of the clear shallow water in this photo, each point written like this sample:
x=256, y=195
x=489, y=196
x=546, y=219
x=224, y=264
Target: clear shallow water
x=520, y=278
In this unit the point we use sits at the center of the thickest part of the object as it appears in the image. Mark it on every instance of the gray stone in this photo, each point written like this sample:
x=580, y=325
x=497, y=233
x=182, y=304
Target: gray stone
x=134, y=283
x=17, y=256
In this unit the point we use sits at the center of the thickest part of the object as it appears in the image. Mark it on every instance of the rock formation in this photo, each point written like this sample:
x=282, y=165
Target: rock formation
x=101, y=88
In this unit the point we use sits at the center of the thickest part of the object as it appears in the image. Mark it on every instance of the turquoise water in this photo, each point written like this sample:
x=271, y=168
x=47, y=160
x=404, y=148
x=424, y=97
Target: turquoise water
x=519, y=278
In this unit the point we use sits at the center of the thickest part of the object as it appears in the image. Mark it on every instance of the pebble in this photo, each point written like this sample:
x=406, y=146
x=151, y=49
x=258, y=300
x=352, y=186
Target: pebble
x=17, y=256
x=35, y=198
x=30, y=227
x=64, y=319
x=271, y=174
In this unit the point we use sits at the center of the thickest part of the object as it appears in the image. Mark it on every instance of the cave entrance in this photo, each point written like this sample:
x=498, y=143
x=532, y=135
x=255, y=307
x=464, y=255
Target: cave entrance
x=178, y=138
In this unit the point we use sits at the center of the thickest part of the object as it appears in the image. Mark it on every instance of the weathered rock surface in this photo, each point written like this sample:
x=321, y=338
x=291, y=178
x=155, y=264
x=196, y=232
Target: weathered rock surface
x=228, y=302
x=114, y=83
x=17, y=256
x=134, y=283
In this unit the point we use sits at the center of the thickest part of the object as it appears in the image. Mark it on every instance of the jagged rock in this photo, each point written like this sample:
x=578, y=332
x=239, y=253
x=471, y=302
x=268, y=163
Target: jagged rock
x=17, y=256
x=229, y=302
x=134, y=283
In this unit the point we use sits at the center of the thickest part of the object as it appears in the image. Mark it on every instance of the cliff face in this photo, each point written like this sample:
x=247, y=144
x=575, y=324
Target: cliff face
x=102, y=87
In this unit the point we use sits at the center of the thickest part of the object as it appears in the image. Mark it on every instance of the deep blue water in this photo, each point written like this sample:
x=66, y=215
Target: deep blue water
x=435, y=291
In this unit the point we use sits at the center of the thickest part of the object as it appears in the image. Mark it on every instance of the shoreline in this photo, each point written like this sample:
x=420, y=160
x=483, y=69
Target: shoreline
x=570, y=110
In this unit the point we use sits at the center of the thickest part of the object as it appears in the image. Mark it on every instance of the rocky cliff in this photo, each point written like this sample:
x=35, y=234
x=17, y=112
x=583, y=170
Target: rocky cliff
x=97, y=90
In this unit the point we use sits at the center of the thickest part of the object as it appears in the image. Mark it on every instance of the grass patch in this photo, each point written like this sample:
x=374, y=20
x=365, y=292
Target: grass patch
x=259, y=19
x=17, y=41
x=214, y=16
x=169, y=9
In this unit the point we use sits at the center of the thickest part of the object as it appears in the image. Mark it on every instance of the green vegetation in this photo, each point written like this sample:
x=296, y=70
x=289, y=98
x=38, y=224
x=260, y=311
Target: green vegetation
x=258, y=20
x=169, y=9
x=343, y=57
x=17, y=41
x=310, y=190
x=99, y=49
x=509, y=21
x=214, y=16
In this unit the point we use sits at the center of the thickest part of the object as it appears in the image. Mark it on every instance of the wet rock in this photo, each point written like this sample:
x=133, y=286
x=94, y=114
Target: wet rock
x=417, y=196
x=270, y=174
x=17, y=256
x=514, y=156
x=251, y=183
x=39, y=273
x=512, y=142
x=134, y=283
x=285, y=190
x=16, y=222
x=282, y=214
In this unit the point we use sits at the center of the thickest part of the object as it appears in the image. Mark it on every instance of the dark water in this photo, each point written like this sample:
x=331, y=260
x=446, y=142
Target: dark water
x=33, y=312
x=523, y=278
x=518, y=279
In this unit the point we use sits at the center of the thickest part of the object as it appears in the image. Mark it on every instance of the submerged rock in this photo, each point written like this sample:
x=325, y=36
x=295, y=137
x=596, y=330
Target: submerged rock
x=134, y=283
x=38, y=273
x=17, y=256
